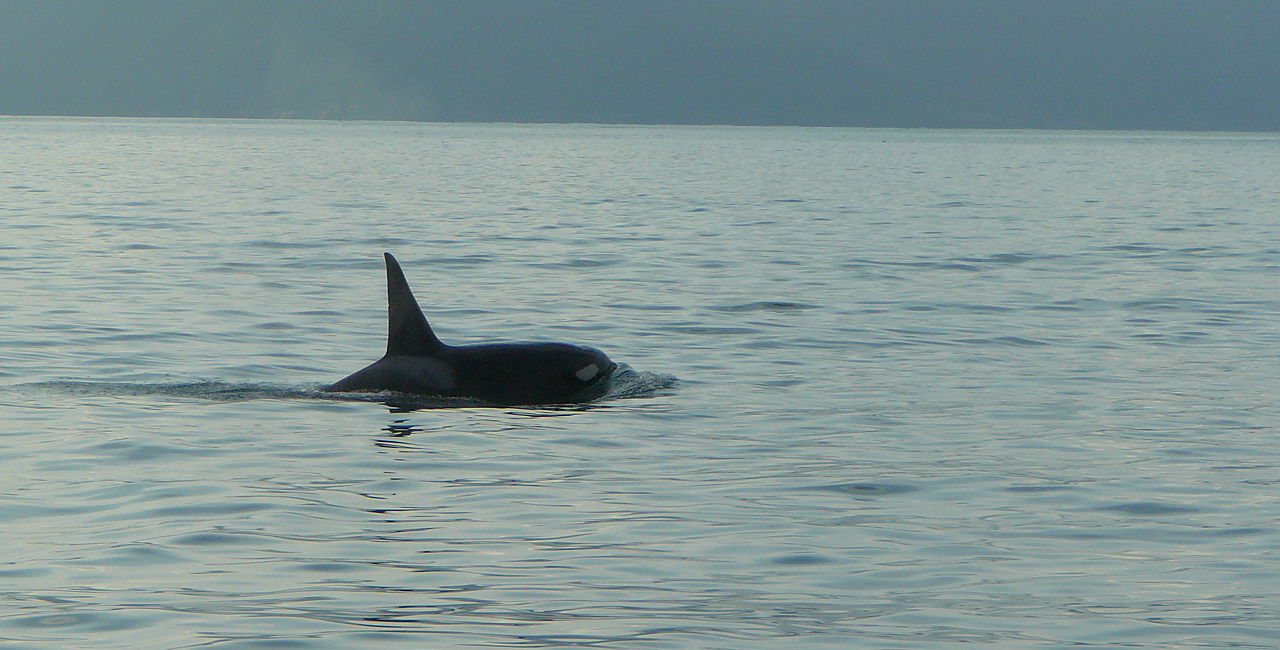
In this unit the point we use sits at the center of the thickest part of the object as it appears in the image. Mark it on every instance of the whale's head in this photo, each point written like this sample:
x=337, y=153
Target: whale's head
x=528, y=373
x=586, y=372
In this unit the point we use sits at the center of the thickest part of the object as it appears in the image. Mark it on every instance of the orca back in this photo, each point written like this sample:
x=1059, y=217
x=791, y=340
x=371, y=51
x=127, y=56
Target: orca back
x=417, y=362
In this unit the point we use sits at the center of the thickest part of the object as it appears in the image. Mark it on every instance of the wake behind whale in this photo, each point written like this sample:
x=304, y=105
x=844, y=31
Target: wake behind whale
x=625, y=383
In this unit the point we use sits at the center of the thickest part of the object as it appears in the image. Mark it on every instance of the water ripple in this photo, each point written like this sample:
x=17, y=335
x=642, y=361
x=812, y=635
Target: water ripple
x=939, y=389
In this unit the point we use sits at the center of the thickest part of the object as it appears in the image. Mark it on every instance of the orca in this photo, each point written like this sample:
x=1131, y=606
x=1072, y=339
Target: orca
x=505, y=374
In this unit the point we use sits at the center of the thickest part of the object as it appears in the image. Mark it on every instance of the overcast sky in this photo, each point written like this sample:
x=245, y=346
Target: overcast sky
x=1142, y=64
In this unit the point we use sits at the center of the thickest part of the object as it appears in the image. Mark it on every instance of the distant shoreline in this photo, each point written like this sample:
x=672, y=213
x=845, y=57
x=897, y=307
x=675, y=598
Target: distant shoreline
x=922, y=127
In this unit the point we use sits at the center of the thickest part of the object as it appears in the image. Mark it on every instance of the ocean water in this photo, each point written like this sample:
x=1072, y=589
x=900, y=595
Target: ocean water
x=886, y=388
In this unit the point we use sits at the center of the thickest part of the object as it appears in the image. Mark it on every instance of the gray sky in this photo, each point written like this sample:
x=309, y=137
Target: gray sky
x=1144, y=64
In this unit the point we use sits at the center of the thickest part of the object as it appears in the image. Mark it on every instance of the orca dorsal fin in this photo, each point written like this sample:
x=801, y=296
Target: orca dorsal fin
x=408, y=332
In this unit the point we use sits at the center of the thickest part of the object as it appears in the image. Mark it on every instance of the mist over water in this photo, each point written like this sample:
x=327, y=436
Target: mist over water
x=890, y=388
x=1089, y=64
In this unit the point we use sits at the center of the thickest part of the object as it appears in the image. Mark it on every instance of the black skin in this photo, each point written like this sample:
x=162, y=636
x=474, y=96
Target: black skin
x=418, y=363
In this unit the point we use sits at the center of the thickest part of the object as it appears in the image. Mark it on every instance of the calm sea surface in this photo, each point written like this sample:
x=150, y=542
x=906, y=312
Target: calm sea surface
x=889, y=388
